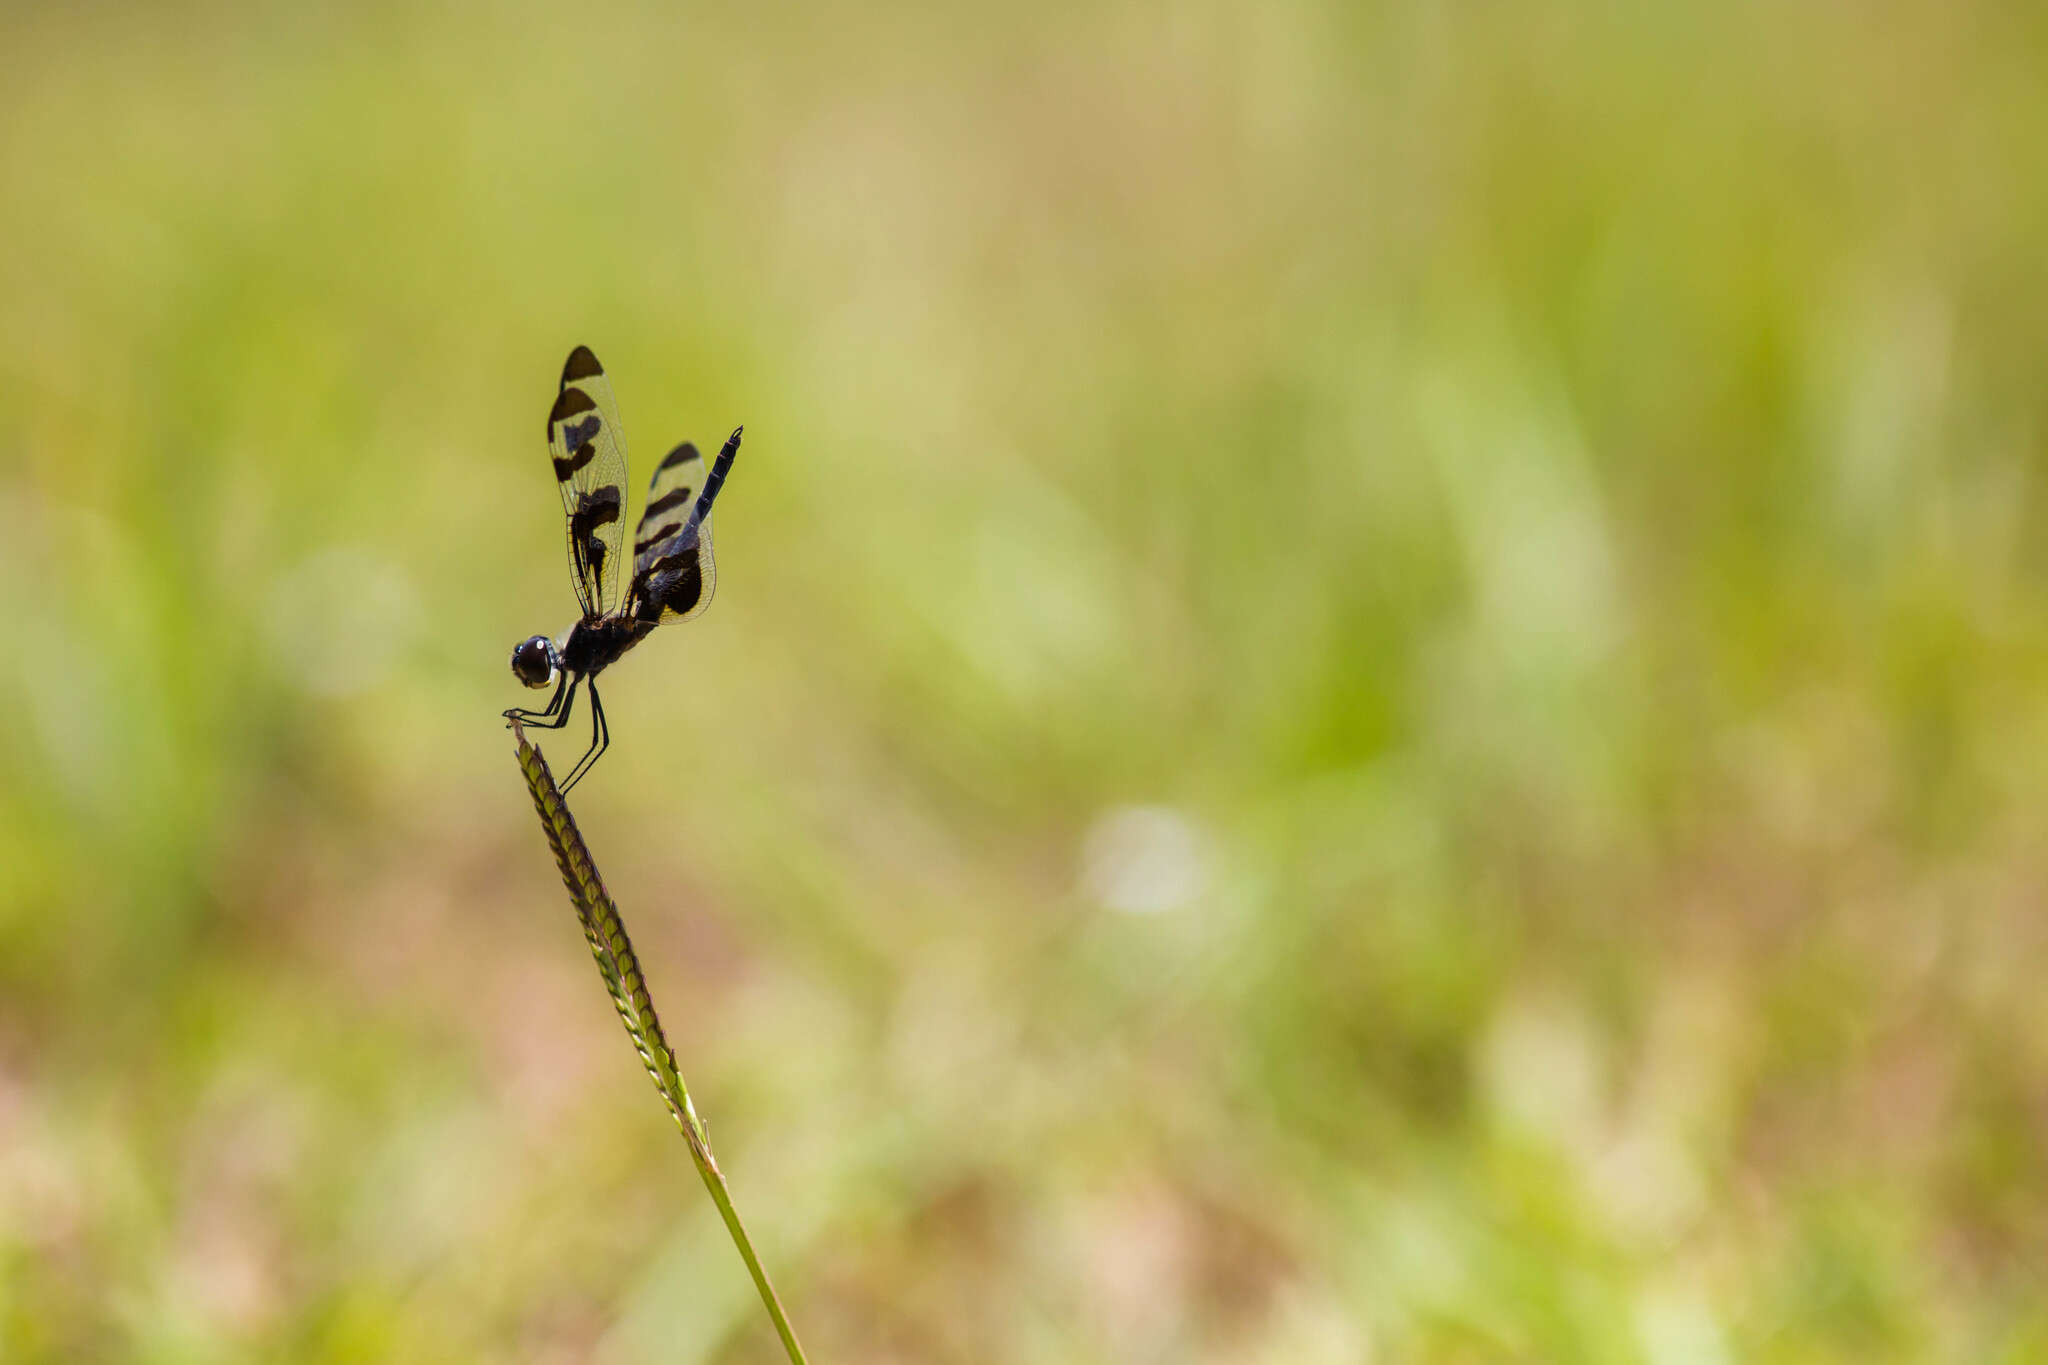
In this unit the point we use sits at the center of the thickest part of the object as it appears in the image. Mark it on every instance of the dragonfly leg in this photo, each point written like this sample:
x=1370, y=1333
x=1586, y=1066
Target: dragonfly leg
x=600, y=740
x=557, y=714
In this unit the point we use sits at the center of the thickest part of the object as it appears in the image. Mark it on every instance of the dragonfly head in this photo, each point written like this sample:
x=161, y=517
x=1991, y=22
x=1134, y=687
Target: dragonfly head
x=535, y=661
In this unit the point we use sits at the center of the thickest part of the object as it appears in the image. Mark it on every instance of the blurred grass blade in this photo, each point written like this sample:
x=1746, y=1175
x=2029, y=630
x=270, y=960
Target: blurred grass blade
x=620, y=968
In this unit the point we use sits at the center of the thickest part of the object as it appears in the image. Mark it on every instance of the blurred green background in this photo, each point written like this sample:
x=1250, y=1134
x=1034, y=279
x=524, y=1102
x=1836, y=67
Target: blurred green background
x=1379, y=693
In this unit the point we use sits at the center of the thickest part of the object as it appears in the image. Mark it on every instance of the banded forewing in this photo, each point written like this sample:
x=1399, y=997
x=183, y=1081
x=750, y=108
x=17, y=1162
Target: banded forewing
x=589, y=447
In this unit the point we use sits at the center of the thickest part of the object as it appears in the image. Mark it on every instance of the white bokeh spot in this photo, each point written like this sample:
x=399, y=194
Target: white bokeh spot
x=1143, y=860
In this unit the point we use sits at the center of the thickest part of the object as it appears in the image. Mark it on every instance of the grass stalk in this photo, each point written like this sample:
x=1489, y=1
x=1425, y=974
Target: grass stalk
x=605, y=931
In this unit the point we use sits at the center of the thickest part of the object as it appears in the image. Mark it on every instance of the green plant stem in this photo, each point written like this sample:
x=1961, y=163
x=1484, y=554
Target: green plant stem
x=620, y=967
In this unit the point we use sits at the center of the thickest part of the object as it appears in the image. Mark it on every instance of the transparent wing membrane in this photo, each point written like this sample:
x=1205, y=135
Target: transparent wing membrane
x=589, y=447
x=673, y=569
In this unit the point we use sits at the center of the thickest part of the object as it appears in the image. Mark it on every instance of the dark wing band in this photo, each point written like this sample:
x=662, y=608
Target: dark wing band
x=673, y=570
x=589, y=448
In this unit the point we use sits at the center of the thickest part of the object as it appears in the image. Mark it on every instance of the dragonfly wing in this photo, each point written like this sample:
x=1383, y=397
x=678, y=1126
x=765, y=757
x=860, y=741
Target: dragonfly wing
x=589, y=448
x=673, y=569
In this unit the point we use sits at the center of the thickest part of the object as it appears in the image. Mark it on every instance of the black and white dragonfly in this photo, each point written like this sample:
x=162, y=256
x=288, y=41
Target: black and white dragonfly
x=673, y=574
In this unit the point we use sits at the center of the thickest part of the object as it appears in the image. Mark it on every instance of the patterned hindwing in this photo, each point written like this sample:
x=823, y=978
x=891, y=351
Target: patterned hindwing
x=673, y=570
x=671, y=496
x=589, y=449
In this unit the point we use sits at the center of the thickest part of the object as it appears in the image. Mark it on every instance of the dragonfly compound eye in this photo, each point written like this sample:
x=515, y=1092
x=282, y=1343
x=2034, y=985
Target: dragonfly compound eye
x=533, y=662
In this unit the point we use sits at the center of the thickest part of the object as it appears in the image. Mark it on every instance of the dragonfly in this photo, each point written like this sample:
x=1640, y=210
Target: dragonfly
x=673, y=573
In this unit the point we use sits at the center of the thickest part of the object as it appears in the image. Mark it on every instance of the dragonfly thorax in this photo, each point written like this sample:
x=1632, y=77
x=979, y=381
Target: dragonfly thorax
x=596, y=642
